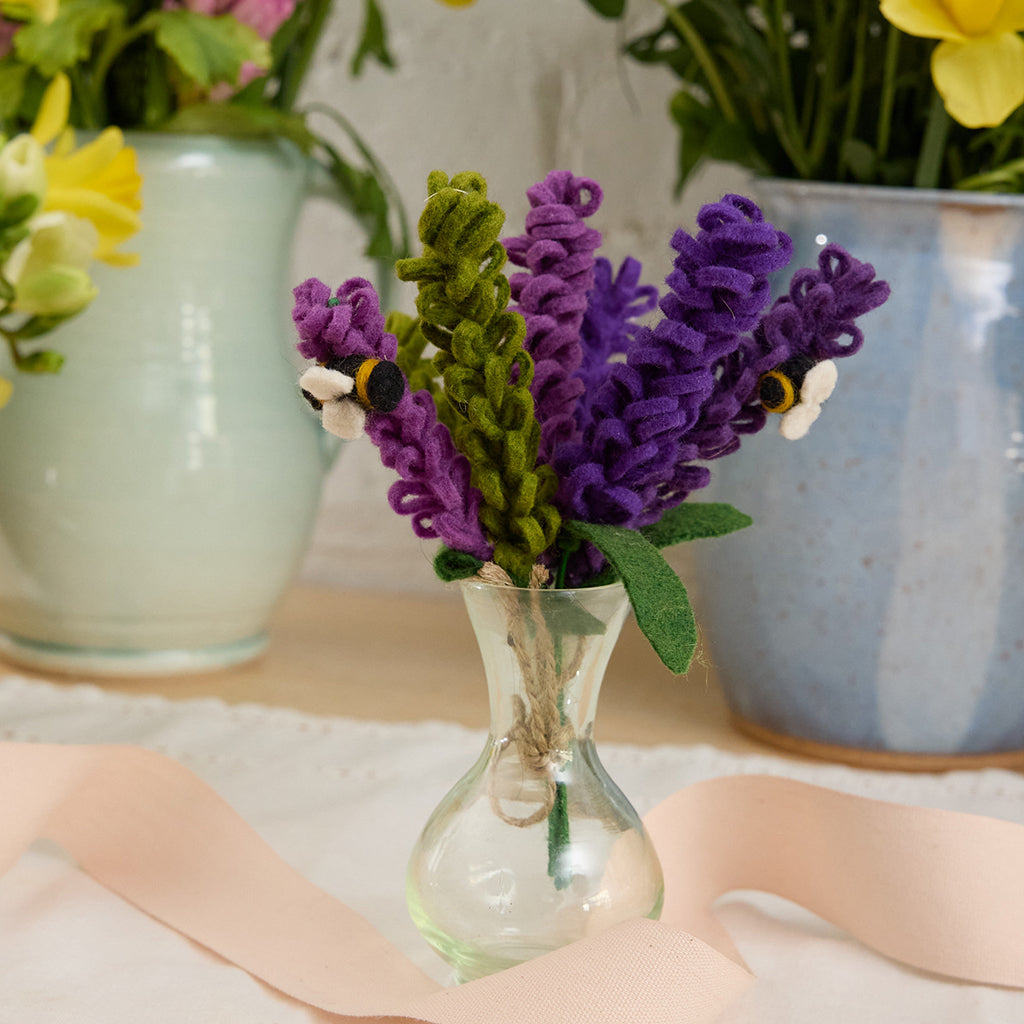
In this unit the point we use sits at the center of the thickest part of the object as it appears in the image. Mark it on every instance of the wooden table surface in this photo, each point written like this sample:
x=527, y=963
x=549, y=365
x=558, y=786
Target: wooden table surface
x=409, y=656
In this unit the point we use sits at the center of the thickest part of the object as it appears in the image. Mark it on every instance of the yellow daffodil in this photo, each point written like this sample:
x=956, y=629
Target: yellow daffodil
x=978, y=67
x=98, y=181
x=39, y=10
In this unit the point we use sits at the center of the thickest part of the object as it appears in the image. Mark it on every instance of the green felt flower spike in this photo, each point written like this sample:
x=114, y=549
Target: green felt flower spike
x=462, y=302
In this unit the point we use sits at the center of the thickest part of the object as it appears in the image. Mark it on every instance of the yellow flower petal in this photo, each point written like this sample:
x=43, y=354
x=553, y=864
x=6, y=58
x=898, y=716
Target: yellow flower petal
x=86, y=161
x=980, y=81
x=111, y=219
x=53, y=110
x=973, y=17
x=456, y=3
x=1010, y=17
x=927, y=18
x=6, y=389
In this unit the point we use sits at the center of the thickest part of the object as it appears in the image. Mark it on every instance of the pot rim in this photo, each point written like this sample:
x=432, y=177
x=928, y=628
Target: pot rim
x=846, y=191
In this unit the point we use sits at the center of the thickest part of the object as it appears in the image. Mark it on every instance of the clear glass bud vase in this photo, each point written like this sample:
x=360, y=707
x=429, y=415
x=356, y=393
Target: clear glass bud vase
x=535, y=847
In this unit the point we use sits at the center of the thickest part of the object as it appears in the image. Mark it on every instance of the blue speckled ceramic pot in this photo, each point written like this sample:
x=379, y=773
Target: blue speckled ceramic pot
x=157, y=495
x=878, y=600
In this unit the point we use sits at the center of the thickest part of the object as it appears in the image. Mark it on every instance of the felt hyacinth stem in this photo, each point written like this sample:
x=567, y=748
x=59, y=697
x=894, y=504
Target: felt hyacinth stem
x=462, y=303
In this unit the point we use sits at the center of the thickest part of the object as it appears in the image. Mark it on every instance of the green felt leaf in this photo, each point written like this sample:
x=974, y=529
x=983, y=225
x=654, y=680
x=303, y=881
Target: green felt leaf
x=695, y=520
x=373, y=39
x=659, y=599
x=208, y=50
x=68, y=38
x=455, y=565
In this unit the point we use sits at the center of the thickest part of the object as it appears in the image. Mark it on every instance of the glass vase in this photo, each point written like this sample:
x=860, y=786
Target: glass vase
x=535, y=846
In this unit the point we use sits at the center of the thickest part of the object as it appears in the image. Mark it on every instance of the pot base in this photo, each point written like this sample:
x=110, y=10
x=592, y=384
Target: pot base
x=878, y=760
x=67, y=659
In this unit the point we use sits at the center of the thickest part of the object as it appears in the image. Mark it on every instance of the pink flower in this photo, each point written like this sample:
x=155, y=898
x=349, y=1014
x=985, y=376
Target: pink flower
x=7, y=32
x=266, y=16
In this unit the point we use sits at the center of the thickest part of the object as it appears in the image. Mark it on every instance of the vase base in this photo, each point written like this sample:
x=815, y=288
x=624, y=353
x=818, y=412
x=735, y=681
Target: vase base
x=112, y=662
x=879, y=760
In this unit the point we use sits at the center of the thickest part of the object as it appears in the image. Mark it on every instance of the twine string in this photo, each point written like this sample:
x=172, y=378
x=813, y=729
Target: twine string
x=539, y=732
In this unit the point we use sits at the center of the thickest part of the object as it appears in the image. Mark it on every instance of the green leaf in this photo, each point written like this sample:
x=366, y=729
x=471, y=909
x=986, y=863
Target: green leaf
x=704, y=134
x=41, y=362
x=860, y=158
x=208, y=50
x=67, y=39
x=16, y=210
x=695, y=520
x=241, y=120
x=373, y=39
x=455, y=565
x=608, y=8
x=659, y=599
x=12, y=88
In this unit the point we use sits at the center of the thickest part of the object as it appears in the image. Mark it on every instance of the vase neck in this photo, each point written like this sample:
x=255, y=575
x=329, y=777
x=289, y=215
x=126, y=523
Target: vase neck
x=545, y=654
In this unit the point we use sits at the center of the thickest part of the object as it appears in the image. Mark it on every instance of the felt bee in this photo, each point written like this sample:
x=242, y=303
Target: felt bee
x=796, y=389
x=344, y=388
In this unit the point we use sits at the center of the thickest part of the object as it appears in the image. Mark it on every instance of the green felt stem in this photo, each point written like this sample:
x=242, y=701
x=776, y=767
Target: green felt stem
x=558, y=838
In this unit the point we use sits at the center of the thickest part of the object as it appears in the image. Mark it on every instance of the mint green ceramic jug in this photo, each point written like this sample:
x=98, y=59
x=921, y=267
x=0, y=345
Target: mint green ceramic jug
x=157, y=496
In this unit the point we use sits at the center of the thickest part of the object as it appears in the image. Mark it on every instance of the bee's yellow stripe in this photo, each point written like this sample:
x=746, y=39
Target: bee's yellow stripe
x=363, y=379
x=789, y=396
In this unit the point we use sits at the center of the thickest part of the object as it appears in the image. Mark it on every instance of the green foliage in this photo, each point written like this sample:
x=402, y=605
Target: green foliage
x=608, y=8
x=135, y=64
x=829, y=92
x=372, y=40
x=69, y=38
x=462, y=302
x=208, y=50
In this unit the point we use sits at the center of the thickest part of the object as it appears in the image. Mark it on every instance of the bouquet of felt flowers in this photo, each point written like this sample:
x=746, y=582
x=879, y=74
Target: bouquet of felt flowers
x=557, y=431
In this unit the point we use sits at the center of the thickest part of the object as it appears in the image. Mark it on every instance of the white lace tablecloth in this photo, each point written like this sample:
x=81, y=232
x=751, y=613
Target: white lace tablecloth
x=343, y=801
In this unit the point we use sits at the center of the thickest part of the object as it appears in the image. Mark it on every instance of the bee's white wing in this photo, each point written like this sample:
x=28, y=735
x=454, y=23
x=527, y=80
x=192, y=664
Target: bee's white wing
x=326, y=385
x=345, y=418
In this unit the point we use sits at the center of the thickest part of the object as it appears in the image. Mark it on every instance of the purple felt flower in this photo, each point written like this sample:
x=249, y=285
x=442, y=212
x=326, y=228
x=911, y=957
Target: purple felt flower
x=819, y=309
x=349, y=323
x=557, y=251
x=433, y=486
x=614, y=307
x=632, y=461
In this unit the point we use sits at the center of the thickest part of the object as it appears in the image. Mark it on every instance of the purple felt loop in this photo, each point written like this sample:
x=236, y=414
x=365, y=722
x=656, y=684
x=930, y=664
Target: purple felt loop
x=614, y=307
x=718, y=288
x=434, y=488
x=557, y=250
x=349, y=323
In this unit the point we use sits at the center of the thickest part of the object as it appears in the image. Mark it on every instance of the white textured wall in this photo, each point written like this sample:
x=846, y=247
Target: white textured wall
x=513, y=89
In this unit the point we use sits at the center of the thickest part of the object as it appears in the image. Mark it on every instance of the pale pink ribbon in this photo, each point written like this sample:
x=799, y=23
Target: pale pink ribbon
x=938, y=890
